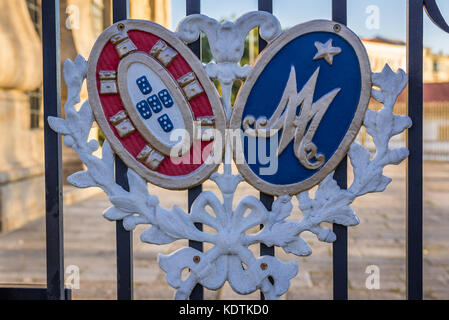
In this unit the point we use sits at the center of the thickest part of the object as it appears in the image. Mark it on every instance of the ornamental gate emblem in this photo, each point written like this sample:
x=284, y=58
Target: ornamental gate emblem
x=154, y=103
x=306, y=95
x=309, y=92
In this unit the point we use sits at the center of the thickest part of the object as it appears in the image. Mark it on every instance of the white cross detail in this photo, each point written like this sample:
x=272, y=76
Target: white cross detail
x=326, y=51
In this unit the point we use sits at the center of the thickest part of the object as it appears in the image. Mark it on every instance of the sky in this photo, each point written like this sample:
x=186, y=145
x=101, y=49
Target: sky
x=367, y=18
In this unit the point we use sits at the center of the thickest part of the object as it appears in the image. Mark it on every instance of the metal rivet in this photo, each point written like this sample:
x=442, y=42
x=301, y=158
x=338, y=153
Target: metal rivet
x=337, y=27
x=263, y=266
x=196, y=259
x=121, y=26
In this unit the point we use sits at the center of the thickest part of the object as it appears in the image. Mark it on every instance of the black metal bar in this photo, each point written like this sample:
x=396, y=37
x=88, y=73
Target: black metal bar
x=124, y=239
x=267, y=200
x=29, y=294
x=435, y=15
x=339, y=11
x=68, y=294
x=53, y=164
x=124, y=243
x=340, y=246
x=265, y=5
x=120, y=10
x=197, y=292
x=193, y=7
x=415, y=146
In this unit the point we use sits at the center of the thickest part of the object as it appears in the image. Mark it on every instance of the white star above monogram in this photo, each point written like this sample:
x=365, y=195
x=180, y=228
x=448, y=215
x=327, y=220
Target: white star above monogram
x=326, y=51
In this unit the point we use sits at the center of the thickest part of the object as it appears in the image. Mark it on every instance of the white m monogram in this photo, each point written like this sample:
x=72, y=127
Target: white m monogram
x=300, y=127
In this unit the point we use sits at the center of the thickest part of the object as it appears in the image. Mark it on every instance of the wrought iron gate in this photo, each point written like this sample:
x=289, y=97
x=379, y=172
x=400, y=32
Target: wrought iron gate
x=124, y=250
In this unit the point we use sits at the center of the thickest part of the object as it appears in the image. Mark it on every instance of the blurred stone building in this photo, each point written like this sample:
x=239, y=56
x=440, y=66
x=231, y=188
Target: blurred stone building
x=435, y=95
x=21, y=112
x=382, y=51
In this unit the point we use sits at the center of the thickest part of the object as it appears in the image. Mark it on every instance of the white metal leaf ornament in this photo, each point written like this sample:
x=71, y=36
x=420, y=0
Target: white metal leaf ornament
x=230, y=258
x=227, y=43
x=230, y=251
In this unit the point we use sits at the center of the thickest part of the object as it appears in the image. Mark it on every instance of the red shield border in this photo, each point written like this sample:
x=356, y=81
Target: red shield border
x=104, y=56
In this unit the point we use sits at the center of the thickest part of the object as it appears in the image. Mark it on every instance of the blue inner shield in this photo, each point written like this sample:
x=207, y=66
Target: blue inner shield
x=269, y=87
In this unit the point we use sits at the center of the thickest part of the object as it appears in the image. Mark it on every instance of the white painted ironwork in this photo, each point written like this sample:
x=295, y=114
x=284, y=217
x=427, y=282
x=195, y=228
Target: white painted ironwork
x=230, y=259
x=227, y=43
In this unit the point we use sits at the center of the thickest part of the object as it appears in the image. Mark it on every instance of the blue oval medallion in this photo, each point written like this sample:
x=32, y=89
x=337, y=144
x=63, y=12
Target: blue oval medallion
x=301, y=107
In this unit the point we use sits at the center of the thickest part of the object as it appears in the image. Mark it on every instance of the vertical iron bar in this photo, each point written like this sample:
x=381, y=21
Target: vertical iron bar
x=124, y=239
x=340, y=246
x=415, y=146
x=267, y=200
x=197, y=292
x=193, y=7
x=53, y=162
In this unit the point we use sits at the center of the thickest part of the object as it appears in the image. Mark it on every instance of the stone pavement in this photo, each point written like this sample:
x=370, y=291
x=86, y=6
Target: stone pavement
x=378, y=240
